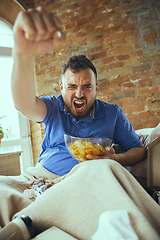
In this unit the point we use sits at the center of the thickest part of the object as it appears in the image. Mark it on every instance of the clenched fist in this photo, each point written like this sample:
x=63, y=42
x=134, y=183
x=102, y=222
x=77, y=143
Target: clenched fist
x=37, y=31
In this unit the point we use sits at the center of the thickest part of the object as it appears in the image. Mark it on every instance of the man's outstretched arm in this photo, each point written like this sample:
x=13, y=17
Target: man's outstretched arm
x=35, y=31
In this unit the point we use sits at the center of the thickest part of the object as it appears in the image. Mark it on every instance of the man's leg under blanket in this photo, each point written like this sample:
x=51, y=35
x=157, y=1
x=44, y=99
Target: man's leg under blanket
x=91, y=188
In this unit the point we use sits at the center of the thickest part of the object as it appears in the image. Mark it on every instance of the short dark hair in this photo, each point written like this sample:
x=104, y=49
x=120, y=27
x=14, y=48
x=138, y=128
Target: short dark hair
x=78, y=63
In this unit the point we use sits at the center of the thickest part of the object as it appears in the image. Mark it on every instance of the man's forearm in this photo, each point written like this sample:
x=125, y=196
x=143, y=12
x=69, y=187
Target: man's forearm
x=22, y=82
x=132, y=156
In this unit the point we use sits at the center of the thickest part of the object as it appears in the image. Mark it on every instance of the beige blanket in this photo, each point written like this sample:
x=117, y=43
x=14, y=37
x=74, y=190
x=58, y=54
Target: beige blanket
x=75, y=203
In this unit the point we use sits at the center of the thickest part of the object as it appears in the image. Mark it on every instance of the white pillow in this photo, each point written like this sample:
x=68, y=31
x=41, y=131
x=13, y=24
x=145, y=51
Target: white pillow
x=155, y=131
x=144, y=131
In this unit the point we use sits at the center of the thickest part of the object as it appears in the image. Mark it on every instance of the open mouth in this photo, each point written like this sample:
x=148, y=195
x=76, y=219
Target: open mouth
x=79, y=105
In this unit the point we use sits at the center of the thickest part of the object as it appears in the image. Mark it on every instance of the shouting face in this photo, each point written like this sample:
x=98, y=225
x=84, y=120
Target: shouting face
x=79, y=91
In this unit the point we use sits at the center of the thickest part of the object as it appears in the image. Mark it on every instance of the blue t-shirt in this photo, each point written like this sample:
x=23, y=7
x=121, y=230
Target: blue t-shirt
x=109, y=122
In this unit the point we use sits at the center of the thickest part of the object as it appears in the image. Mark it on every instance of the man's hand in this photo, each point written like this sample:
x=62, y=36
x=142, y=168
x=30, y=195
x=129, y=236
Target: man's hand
x=132, y=156
x=37, y=31
x=109, y=154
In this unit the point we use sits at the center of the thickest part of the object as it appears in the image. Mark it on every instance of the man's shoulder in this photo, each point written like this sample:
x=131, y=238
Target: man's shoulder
x=52, y=100
x=102, y=104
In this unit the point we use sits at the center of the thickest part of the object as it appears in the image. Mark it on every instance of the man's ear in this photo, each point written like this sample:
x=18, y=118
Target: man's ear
x=96, y=86
x=61, y=86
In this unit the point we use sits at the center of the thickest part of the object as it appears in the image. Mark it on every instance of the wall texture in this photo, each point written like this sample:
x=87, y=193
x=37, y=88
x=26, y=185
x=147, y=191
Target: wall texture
x=121, y=37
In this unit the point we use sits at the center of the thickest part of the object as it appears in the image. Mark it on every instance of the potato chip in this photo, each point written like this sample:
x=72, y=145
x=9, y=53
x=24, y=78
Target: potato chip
x=80, y=149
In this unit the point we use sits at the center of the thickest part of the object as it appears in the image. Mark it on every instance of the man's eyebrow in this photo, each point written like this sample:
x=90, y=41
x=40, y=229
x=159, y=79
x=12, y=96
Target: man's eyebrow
x=71, y=84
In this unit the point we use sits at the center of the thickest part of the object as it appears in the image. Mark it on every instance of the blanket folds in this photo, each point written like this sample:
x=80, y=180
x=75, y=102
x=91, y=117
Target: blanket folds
x=75, y=203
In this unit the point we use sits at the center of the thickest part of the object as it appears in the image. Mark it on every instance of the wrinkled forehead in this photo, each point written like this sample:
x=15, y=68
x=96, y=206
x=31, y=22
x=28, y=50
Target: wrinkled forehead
x=83, y=76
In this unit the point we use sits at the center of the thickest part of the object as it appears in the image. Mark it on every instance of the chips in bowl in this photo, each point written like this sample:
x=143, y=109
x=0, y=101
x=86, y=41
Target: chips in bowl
x=80, y=147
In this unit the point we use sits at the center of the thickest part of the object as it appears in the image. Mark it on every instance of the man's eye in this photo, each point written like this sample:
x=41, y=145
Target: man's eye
x=87, y=86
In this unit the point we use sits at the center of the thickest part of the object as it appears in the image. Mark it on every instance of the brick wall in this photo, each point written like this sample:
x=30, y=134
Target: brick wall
x=37, y=134
x=122, y=38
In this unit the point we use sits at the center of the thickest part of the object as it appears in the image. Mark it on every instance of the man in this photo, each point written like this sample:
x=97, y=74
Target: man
x=88, y=188
x=79, y=87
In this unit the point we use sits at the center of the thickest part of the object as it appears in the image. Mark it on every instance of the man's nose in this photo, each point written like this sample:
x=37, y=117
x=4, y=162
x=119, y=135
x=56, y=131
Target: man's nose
x=79, y=92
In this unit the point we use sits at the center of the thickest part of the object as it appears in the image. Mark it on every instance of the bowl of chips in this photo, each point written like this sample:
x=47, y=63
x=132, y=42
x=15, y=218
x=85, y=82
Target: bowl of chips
x=80, y=147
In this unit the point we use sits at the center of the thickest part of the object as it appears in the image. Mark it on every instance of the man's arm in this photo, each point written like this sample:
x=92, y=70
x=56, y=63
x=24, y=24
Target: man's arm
x=132, y=156
x=35, y=32
x=128, y=158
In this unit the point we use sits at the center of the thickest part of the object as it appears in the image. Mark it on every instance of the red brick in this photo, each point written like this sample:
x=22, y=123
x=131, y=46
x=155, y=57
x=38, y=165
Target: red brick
x=119, y=43
x=130, y=101
x=55, y=74
x=80, y=41
x=94, y=50
x=148, y=90
x=157, y=64
x=153, y=106
x=115, y=65
x=127, y=7
x=136, y=53
x=120, y=50
x=129, y=85
x=156, y=72
x=123, y=93
x=147, y=99
x=117, y=23
x=112, y=90
x=98, y=55
x=117, y=36
x=130, y=26
x=85, y=3
x=74, y=6
x=122, y=57
x=132, y=117
x=43, y=65
x=132, y=40
x=141, y=68
x=134, y=109
x=158, y=113
x=147, y=124
x=137, y=45
x=145, y=82
x=149, y=36
x=70, y=25
x=119, y=80
x=135, y=33
x=146, y=115
x=112, y=5
x=117, y=102
x=66, y=15
x=142, y=75
x=107, y=60
x=84, y=21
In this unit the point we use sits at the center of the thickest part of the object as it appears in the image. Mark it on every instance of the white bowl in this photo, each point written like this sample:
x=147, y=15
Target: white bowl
x=85, y=146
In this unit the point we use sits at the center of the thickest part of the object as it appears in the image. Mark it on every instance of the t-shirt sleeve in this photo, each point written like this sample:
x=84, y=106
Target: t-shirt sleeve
x=51, y=104
x=124, y=134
